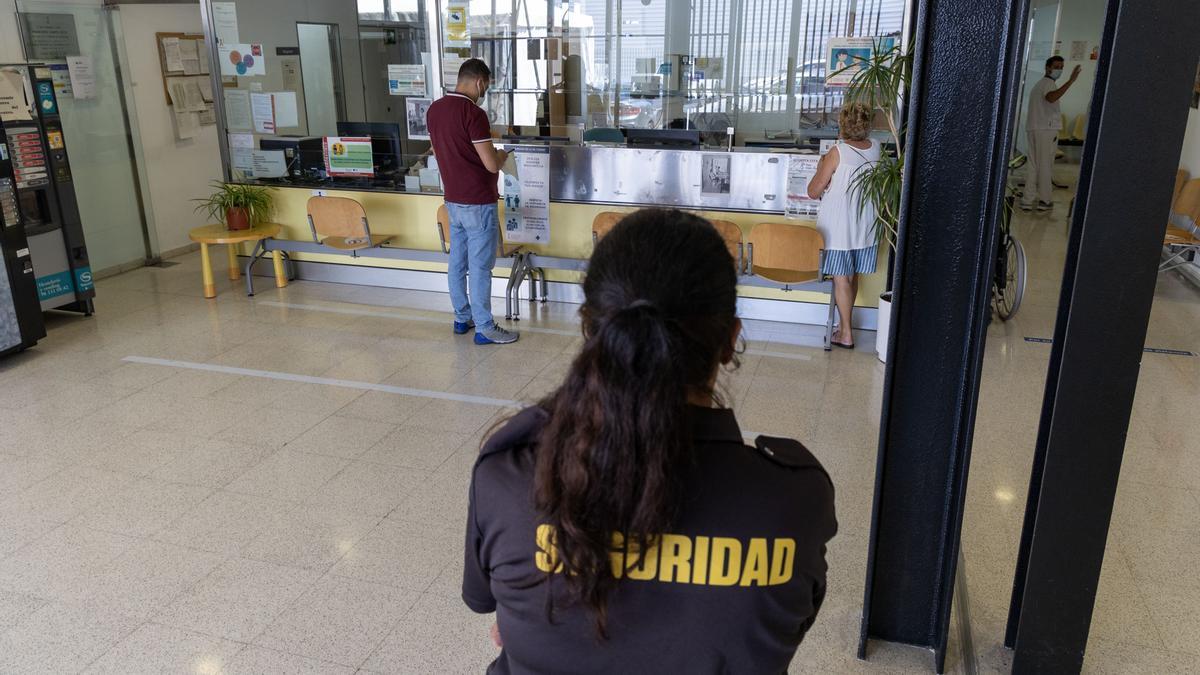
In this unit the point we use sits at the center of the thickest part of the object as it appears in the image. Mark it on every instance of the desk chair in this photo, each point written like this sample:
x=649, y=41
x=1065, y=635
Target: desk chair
x=520, y=269
x=603, y=223
x=1183, y=230
x=732, y=234
x=791, y=255
x=341, y=223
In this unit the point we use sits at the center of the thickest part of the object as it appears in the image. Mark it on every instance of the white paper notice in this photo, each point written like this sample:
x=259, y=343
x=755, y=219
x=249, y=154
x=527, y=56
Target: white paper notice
x=406, y=80
x=267, y=164
x=801, y=169
x=187, y=124
x=186, y=95
x=527, y=197
x=225, y=22
x=242, y=159
x=450, y=66
x=202, y=49
x=208, y=116
x=172, y=54
x=242, y=141
x=242, y=59
x=205, y=85
x=263, y=108
x=287, y=113
x=190, y=57
x=83, y=77
x=237, y=110
x=14, y=106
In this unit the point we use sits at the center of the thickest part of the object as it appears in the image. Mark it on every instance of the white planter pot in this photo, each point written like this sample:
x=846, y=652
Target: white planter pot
x=884, y=321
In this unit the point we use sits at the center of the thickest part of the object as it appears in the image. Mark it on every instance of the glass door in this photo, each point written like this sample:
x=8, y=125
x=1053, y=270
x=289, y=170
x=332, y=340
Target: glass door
x=96, y=127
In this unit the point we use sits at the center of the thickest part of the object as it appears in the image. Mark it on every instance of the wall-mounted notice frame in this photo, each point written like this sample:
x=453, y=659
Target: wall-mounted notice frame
x=180, y=54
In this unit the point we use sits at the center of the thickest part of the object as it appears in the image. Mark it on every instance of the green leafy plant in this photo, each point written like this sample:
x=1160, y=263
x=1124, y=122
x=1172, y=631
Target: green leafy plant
x=254, y=200
x=880, y=82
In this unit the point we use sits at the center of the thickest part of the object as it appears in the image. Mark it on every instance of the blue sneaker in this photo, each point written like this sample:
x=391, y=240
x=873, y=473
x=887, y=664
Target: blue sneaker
x=463, y=327
x=496, y=336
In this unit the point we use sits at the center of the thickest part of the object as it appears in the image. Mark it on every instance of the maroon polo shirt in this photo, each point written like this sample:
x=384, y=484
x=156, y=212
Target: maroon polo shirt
x=456, y=124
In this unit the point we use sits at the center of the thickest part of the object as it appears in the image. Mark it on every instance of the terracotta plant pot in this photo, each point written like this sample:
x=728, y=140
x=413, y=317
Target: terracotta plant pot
x=237, y=219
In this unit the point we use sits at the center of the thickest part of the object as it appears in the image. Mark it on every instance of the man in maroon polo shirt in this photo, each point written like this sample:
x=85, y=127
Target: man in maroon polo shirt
x=468, y=162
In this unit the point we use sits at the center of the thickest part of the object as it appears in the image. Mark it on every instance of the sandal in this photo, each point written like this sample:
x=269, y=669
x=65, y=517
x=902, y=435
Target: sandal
x=843, y=346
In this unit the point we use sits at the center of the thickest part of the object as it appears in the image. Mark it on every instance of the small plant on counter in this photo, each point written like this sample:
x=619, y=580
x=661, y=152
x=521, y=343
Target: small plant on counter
x=237, y=207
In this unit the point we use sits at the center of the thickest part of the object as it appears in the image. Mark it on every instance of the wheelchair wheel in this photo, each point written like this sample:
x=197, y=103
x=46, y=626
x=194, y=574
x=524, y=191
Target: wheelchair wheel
x=1008, y=297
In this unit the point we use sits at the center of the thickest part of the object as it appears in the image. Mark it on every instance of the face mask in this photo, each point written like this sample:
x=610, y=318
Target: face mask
x=480, y=95
x=1055, y=73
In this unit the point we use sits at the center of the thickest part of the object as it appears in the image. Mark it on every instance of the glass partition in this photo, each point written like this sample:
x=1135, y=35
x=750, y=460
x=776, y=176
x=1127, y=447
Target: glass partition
x=577, y=71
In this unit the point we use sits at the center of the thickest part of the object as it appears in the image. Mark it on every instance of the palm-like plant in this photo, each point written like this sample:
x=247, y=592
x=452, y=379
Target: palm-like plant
x=880, y=82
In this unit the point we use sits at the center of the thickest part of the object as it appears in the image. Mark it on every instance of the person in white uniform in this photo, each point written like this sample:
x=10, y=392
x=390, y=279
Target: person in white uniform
x=1043, y=121
x=847, y=226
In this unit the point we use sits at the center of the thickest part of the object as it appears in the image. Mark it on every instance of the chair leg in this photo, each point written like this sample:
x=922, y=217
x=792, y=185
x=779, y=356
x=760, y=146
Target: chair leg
x=829, y=322
x=259, y=249
x=508, y=291
x=545, y=287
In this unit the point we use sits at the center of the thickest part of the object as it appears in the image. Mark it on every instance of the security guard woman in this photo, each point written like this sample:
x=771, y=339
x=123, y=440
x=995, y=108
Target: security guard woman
x=622, y=525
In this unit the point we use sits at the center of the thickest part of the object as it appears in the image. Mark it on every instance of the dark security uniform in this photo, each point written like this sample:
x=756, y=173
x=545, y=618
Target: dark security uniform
x=731, y=589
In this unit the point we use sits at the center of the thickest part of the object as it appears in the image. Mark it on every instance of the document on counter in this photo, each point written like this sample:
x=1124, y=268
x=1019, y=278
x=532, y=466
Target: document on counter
x=287, y=113
x=268, y=163
x=83, y=76
x=262, y=107
x=237, y=110
x=172, y=54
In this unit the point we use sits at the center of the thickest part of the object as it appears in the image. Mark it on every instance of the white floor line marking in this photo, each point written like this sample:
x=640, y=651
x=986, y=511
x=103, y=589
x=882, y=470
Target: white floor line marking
x=309, y=379
x=431, y=319
x=398, y=315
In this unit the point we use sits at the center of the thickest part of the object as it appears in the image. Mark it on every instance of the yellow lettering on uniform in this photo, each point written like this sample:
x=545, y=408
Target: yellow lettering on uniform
x=726, y=561
x=757, y=565
x=783, y=560
x=646, y=568
x=547, y=558
x=616, y=557
x=700, y=562
x=676, y=562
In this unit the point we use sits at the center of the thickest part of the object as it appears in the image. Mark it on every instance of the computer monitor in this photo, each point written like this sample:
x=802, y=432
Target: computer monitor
x=662, y=138
x=385, y=142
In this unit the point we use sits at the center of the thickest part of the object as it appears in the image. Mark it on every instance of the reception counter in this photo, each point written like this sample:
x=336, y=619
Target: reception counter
x=584, y=181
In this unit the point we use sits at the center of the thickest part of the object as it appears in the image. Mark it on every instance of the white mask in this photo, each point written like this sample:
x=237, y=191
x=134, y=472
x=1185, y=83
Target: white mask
x=1055, y=73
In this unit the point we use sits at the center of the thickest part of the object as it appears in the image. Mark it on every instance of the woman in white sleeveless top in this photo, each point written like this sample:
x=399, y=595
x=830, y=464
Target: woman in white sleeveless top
x=850, y=247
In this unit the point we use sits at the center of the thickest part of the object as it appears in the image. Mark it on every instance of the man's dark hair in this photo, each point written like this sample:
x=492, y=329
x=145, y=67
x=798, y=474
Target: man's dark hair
x=472, y=68
x=1049, y=62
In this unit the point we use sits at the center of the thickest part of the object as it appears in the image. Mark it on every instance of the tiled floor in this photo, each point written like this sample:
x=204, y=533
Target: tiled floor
x=193, y=512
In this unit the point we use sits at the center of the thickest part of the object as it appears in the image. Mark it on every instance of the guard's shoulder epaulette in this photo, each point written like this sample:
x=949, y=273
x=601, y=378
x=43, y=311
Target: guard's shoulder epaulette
x=786, y=452
x=518, y=431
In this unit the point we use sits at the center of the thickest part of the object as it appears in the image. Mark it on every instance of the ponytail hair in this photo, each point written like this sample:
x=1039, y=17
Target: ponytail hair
x=658, y=320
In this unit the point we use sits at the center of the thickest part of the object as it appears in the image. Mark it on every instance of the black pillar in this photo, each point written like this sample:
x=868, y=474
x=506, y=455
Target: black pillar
x=1143, y=81
x=960, y=113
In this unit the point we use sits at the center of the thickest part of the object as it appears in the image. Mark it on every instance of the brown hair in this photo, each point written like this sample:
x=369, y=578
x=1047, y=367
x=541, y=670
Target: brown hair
x=659, y=312
x=855, y=121
x=474, y=68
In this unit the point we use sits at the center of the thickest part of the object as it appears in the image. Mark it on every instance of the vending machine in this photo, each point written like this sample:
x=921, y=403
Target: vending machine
x=20, y=312
x=44, y=189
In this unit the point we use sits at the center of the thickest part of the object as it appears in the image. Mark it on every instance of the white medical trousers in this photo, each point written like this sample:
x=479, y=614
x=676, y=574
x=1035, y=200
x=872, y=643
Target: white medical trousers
x=1038, y=183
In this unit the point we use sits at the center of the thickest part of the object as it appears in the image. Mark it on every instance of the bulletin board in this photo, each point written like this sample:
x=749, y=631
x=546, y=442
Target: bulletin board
x=201, y=69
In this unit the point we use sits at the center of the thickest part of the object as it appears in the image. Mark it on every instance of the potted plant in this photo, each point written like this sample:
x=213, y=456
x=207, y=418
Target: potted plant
x=237, y=207
x=881, y=83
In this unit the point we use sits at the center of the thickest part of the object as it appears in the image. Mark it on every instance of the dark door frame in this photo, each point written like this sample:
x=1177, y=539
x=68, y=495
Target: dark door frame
x=1108, y=288
x=967, y=57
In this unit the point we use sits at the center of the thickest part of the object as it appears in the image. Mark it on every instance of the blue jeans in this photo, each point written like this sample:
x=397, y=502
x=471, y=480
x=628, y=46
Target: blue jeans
x=474, y=236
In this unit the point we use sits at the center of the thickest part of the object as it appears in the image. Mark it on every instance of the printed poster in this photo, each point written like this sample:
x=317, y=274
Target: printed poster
x=846, y=54
x=801, y=169
x=225, y=21
x=242, y=59
x=349, y=156
x=262, y=107
x=527, y=197
x=417, y=111
x=458, y=30
x=62, y=80
x=406, y=80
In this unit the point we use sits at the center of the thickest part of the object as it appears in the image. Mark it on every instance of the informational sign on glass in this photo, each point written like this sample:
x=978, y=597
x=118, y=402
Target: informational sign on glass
x=526, y=182
x=348, y=156
x=406, y=80
x=49, y=37
x=846, y=56
x=801, y=169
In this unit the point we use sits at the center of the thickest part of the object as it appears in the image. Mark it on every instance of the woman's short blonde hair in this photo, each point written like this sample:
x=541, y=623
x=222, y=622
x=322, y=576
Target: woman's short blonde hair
x=855, y=121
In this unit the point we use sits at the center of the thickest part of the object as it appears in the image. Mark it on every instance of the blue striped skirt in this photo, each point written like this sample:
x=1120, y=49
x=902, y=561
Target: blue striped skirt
x=847, y=263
